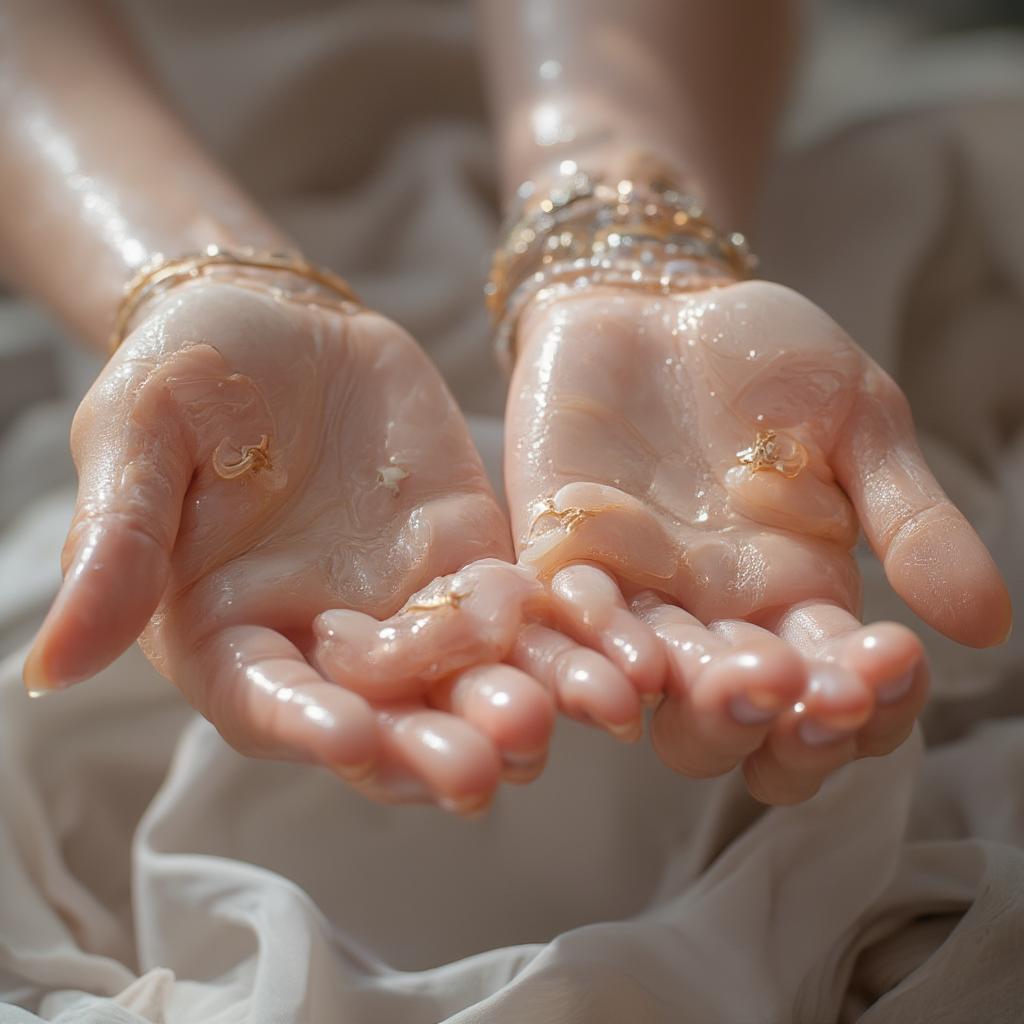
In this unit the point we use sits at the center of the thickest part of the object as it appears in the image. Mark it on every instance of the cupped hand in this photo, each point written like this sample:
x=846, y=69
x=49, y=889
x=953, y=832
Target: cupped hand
x=696, y=468
x=249, y=459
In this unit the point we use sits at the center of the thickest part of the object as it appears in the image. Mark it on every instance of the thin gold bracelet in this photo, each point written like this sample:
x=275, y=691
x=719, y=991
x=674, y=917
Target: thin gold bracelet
x=162, y=273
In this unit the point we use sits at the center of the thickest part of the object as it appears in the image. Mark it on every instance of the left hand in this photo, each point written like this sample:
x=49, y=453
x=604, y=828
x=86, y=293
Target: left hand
x=626, y=416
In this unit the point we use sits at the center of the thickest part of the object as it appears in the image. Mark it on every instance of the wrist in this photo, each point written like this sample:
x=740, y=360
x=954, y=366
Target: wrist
x=286, y=276
x=579, y=230
x=608, y=158
x=617, y=154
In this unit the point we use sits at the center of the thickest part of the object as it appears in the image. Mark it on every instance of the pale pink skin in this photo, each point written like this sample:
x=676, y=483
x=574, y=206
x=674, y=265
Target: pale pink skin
x=234, y=570
x=726, y=596
x=634, y=407
x=268, y=586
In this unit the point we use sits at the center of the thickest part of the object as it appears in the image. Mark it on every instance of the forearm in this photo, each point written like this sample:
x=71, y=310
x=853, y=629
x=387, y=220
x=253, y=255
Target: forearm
x=97, y=173
x=698, y=83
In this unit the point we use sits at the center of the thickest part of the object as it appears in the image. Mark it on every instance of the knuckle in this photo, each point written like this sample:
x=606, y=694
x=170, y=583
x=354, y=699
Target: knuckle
x=564, y=659
x=132, y=523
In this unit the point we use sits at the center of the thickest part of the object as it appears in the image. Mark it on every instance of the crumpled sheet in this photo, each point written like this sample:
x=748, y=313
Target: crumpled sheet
x=150, y=874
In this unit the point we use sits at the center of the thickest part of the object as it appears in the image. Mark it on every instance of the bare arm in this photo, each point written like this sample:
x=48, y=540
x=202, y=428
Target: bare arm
x=699, y=84
x=97, y=173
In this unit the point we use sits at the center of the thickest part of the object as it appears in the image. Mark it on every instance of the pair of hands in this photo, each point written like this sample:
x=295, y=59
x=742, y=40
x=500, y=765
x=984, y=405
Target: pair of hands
x=283, y=501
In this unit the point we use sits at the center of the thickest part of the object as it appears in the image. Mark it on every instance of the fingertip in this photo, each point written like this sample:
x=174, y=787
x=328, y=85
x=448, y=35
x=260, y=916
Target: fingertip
x=334, y=621
x=836, y=697
x=946, y=575
x=341, y=731
x=511, y=708
x=770, y=676
x=359, y=652
x=113, y=585
x=591, y=687
x=38, y=680
x=455, y=760
x=886, y=655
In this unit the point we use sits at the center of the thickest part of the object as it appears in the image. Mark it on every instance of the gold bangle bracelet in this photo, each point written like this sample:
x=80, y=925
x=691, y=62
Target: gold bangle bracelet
x=642, y=232
x=163, y=273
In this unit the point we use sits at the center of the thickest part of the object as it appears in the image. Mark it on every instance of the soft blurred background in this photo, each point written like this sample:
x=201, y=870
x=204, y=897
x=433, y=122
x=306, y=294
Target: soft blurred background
x=895, y=203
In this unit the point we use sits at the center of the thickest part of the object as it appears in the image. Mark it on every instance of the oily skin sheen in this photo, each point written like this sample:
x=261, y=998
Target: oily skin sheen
x=727, y=597
x=282, y=498
x=247, y=461
x=630, y=410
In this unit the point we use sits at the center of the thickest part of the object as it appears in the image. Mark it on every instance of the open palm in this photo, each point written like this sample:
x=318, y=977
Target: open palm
x=626, y=419
x=249, y=459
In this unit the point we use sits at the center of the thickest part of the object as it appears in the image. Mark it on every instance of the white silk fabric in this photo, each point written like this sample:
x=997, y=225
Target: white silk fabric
x=150, y=874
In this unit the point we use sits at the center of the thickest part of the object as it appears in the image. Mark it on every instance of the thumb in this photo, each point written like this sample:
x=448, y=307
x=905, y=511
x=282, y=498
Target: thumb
x=134, y=465
x=932, y=556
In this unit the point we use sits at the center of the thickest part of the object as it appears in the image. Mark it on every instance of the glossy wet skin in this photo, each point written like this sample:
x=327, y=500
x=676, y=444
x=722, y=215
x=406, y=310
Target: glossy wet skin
x=366, y=487
x=270, y=479
x=726, y=595
x=625, y=419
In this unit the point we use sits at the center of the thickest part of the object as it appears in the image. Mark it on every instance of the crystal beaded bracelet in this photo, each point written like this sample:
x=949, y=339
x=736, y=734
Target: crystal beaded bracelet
x=638, y=232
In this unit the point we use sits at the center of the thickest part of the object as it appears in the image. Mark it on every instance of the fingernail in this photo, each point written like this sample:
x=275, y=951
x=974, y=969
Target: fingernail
x=814, y=734
x=895, y=689
x=747, y=713
x=625, y=732
x=524, y=767
x=471, y=807
x=520, y=773
x=354, y=772
x=525, y=759
x=37, y=683
x=38, y=694
x=834, y=683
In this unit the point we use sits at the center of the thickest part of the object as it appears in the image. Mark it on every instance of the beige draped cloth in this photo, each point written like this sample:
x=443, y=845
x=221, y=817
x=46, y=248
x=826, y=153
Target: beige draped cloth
x=150, y=874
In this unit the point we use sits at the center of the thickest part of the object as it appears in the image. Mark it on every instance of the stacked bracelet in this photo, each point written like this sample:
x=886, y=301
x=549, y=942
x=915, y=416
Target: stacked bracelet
x=583, y=231
x=163, y=273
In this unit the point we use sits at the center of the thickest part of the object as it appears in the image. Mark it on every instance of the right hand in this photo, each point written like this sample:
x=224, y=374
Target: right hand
x=247, y=462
